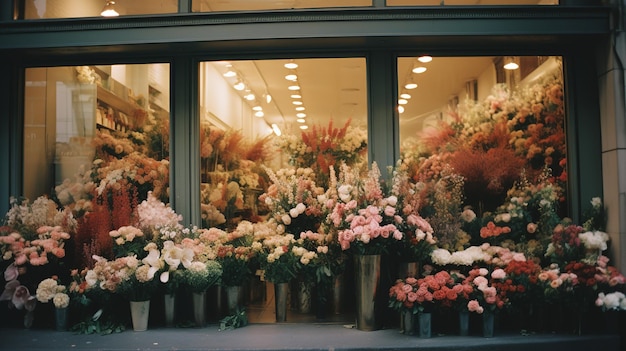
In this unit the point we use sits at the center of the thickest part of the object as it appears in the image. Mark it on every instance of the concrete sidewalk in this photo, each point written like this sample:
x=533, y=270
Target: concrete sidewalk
x=292, y=336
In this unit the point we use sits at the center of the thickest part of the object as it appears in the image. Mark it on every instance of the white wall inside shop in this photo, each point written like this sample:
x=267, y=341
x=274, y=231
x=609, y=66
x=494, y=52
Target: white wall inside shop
x=223, y=107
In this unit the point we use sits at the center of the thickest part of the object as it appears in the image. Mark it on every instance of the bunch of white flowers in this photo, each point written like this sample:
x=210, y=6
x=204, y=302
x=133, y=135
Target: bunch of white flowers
x=595, y=240
x=611, y=301
x=49, y=289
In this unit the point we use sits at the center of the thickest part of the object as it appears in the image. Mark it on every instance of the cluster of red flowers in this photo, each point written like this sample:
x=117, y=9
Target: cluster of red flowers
x=492, y=230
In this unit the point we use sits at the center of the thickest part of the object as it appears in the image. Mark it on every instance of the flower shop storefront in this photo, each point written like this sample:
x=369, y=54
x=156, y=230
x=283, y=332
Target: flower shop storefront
x=387, y=180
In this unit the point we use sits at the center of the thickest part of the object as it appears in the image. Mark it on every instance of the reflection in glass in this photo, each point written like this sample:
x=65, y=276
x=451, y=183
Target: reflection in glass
x=38, y=9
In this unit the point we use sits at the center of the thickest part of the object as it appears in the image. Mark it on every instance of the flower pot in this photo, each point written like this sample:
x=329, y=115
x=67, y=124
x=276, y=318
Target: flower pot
x=169, y=303
x=488, y=324
x=366, y=276
x=281, y=292
x=425, y=325
x=60, y=318
x=199, y=308
x=408, y=322
x=139, y=312
x=233, y=295
x=463, y=323
x=304, y=297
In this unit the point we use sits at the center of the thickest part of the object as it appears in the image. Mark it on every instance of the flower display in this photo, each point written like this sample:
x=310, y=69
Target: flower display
x=321, y=147
x=276, y=254
x=366, y=219
x=49, y=289
x=611, y=301
x=200, y=276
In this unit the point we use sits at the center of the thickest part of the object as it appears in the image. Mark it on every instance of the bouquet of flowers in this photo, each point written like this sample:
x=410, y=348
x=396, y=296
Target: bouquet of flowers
x=276, y=254
x=49, y=289
x=366, y=219
x=200, y=276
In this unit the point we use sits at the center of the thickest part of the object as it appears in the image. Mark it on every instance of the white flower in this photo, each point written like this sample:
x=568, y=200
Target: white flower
x=61, y=300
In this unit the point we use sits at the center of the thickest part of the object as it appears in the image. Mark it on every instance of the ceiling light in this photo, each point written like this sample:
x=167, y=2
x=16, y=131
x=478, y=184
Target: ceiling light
x=405, y=96
x=291, y=77
x=403, y=101
x=239, y=86
x=419, y=69
x=109, y=10
x=300, y=115
x=257, y=108
x=425, y=59
x=510, y=64
x=300, y=108
x=291, y=65
x=296, y=96
x=410, y=86
x=301, y=120
x=401, y=109
x=276, y=129
x=297, y=102
x=268, y=98
x=304, y=127
x=259, y=114
x=230, y=73
x=294, y=87
x=249, y=97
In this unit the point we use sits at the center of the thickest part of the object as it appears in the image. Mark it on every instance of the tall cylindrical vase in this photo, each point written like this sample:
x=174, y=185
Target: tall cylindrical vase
x=139, y=312
x=408, y=322
x=199, y=308
x=169, y=303
x=60, y=317
x=281, y=292
x=488, y=324
x=304, y=296
x=366, y=276
x=464, y=323
x=424, y=324
x=338, y=289
x=233, y=295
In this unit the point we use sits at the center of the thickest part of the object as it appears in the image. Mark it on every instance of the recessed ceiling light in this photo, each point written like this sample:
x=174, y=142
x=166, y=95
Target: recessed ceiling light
x=268, y=98
x=401, y=109
x=259, y=114
x=239, y=86
x=297, y=102
x=419, y=70
x=296, y=96
x=403, y=101
x=276, y=129
x=291, y=65
x=300, y=108
x=291, y=77
x=405, y=96
x=301, y=120
x=257, y=108
x=249, y=97
x=304, y=127
x=294, y=87
x=410, y=86
x=301, y=115
x=425, y=58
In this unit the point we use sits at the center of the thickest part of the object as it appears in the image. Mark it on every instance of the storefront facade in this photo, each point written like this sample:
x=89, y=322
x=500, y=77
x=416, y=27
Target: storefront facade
x=587, y=38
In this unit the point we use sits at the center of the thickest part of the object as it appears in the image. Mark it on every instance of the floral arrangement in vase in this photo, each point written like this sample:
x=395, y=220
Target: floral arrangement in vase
x=200, y=276
x=275, y=252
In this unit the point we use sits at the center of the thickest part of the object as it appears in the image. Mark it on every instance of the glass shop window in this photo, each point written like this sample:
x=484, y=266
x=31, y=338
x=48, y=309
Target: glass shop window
x=43, y=9
x=485, y=137
x=267, y=5
x=263, y=116
x=96, y=142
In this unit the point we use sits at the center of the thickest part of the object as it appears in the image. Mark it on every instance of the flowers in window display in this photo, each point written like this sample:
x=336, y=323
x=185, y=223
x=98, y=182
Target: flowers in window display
x=276, y=253
x=615, y=301
x=200, y=276
x=86, y=75
x=128, y=240
x=222, y=202
x=321, y=147
x=365, y=218
x=292, y=199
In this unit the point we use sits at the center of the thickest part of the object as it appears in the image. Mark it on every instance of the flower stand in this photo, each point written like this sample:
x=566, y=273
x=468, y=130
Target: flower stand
x=140, y=311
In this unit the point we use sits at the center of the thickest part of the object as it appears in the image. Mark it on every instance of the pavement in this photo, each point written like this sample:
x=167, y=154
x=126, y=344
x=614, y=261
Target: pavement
x=292, y=336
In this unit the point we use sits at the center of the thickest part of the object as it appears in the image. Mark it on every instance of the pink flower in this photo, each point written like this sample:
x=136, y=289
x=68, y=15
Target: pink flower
x=390, y=211
x=474, y=306
x=498, y=274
